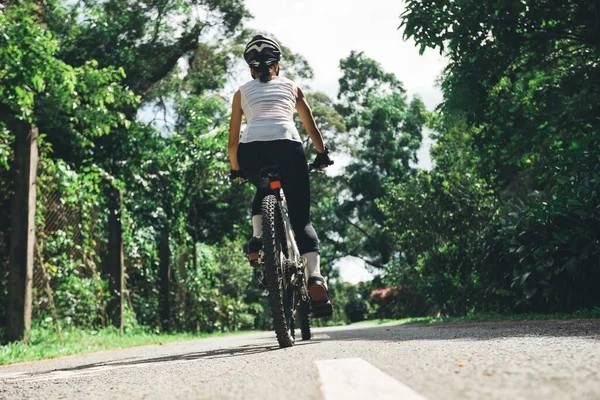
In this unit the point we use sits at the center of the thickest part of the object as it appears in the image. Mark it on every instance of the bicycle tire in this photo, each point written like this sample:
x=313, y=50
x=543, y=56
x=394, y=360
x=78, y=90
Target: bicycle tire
x=272, y=225
x=304, y=319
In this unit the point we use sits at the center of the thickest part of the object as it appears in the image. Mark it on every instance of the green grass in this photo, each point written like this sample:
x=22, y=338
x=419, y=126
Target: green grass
x=46, y=343
x=483, y=317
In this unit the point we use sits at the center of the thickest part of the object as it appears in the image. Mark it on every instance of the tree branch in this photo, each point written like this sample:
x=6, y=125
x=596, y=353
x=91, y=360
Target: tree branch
x=364, y=232
x=371, y=263
x=185, y=44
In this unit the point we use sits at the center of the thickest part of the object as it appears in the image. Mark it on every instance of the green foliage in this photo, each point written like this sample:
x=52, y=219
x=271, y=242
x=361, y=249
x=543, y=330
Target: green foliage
x=398, y=302
x=356, y=310
x=6, y=140
x=523, y=77
x=69, y=237
x=213, y=289
x=508, y=216
x=36, y=85
x=57, y=73
x=386, y=134
x=434, y=217
x=364, y=79
x=80, y=299
x=81, y=103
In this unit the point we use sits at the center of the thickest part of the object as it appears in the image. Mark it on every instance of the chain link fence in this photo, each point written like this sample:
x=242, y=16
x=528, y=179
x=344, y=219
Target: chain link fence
x=71, y=242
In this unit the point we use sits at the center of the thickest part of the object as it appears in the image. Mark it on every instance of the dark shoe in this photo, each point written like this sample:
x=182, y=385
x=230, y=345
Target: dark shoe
x=254, y=248
x=321, y=304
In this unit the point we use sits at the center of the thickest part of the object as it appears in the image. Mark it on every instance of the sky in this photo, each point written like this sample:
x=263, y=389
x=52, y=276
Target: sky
x=325, y=31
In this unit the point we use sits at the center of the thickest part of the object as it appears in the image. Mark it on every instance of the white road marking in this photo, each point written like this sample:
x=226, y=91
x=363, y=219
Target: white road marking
x=354, y=378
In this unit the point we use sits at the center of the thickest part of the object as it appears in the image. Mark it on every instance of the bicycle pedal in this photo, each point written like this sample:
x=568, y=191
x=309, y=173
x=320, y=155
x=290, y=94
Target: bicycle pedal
x=322, y=310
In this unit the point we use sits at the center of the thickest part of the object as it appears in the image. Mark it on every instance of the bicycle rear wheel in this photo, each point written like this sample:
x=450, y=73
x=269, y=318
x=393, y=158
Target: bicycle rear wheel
x=303, y=313
x=281, y=298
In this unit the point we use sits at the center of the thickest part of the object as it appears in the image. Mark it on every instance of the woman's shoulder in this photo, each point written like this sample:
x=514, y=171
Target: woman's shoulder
x=249, y=83
x=286, y=81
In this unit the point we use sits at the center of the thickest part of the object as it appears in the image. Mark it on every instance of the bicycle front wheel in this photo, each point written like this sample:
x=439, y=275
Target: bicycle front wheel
x=281, y=298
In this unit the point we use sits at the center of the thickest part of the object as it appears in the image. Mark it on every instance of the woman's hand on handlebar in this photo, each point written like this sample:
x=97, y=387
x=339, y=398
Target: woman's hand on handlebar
x=237, y=175
x=322, y=160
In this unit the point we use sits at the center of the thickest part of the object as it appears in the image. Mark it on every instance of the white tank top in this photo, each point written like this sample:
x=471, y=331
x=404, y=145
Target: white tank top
x=269, y=109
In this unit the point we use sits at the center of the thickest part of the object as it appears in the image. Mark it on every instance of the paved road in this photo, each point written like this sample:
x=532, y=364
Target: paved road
x=515, y=360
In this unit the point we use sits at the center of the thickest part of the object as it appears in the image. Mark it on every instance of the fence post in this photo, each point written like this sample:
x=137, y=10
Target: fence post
x=22, y=232
x=164, y=255
x=115, y=265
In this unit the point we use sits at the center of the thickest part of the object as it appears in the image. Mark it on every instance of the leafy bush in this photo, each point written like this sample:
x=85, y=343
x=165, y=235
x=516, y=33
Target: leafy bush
x=398, y=302
x=357, y=310
x=509, y=216
x=210, y=290
x=435, y=217
x=70, y=233
x=547, y=253
x=80, y=301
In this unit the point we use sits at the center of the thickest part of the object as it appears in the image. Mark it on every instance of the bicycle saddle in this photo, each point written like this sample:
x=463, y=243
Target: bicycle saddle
x=271, y=172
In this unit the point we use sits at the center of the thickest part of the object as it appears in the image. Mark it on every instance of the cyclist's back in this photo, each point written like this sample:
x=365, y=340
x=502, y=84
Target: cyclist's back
x=269, y=109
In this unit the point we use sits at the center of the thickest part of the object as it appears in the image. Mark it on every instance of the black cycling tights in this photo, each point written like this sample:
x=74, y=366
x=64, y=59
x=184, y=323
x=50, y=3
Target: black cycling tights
x=290, y=158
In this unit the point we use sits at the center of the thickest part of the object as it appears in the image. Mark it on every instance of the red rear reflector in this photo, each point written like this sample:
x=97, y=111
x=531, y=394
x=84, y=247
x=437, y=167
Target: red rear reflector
x=275, y=185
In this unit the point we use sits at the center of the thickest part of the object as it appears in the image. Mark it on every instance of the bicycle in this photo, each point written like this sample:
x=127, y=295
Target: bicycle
x=282, y=267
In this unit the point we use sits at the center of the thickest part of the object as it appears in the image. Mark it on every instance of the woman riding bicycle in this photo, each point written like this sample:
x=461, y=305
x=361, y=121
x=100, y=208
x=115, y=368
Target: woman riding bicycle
x=271, y=138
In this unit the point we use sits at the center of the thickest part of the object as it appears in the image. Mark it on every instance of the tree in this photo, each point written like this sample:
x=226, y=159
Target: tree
x=39, y=90
x=386, y=134
x=436, y=218
x=525, y=78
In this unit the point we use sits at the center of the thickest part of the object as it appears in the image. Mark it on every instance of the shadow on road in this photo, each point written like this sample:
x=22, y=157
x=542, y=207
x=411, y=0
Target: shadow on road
x=245, y=350
x=589, y=328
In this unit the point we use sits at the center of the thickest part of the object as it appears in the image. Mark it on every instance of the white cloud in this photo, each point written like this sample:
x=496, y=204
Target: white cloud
x=353, y=270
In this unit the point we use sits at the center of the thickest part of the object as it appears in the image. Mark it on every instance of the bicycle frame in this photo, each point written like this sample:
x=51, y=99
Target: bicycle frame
x=292, y=247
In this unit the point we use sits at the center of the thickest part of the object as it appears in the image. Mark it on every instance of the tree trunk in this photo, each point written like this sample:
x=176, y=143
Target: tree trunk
x=164, y=255
x=115, y=265
x=22, y=229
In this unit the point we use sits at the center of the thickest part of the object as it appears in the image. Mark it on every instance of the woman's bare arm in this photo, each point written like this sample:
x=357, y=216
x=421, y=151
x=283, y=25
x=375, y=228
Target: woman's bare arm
x=308, y=120
x=235, y=125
